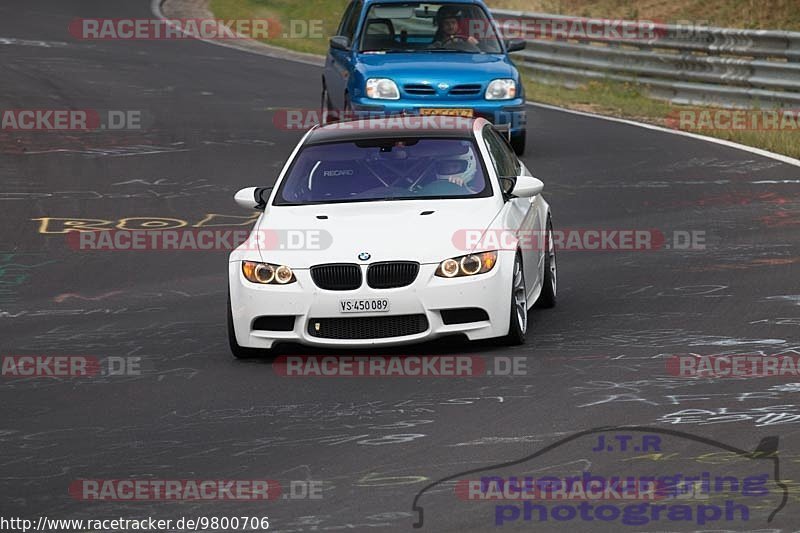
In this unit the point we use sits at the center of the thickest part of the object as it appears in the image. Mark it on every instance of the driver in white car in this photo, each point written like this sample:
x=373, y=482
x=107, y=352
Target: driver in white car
x=458, y=169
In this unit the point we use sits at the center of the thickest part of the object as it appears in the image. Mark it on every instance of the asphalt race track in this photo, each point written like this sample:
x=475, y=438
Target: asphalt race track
x=194, y=412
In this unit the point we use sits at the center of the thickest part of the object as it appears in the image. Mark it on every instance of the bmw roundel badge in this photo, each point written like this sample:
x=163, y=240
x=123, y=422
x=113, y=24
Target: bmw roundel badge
x=364, y=256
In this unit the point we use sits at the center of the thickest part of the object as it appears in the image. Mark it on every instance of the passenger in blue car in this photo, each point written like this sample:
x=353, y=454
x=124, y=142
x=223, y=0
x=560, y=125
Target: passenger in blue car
x=450, y=34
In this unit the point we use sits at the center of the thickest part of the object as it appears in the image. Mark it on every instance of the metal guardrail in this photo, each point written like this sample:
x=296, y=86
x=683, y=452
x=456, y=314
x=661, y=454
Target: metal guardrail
x=684, y=64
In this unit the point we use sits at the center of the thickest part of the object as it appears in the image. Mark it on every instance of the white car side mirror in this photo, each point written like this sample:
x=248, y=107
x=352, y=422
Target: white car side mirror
x=527, y=187
x=251, y=197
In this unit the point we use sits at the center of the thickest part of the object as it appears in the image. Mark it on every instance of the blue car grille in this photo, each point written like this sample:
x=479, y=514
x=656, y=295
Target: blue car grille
x=424, y=89
x=418, y=89
x=468, y=88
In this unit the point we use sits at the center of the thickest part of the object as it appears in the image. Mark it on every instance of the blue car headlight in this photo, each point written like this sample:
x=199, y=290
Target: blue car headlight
x=382, y=88
x=501, y=89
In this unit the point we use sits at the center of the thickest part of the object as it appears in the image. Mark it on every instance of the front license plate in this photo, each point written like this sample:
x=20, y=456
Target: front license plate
x=365, y=305
x=447, y=111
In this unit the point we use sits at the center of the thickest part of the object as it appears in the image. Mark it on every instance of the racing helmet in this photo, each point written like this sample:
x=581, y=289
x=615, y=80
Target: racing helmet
x=463, y=166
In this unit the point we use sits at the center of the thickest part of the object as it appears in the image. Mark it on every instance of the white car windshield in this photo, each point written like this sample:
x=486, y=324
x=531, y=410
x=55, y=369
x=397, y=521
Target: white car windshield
x=417, y=27
x=384, y=169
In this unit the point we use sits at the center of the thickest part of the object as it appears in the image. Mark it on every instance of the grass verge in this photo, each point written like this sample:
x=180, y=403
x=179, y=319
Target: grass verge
x=749, y=14
x=306, y=25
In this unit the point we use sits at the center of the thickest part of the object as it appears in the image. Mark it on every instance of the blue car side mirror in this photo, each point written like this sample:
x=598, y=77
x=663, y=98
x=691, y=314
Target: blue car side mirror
x=515, y=45
x=340, y=42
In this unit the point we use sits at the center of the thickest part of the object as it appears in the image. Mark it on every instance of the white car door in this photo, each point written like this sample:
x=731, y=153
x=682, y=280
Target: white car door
x=523, y=213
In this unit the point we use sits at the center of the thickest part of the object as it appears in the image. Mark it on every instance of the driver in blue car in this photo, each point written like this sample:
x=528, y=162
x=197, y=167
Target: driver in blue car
x=449, y=20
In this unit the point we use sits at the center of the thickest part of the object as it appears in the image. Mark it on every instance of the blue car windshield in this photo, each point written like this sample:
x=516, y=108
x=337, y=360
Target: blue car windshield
x=384, y=169
x=429, y=27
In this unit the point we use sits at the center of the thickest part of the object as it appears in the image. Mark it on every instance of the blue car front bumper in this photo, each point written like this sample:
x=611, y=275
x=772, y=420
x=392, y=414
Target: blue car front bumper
x=508, y=116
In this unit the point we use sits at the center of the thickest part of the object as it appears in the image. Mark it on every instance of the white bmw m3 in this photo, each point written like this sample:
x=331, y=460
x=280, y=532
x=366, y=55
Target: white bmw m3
x=379, y=234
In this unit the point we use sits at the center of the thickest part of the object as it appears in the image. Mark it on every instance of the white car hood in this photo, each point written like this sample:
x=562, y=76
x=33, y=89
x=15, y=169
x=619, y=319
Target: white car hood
x=392, y=230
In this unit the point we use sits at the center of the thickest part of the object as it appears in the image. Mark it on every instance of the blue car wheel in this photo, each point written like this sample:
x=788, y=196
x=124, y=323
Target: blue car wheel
x=518, y=142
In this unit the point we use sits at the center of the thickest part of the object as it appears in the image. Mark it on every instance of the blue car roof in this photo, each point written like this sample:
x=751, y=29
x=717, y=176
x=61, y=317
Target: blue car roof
x=370, y=2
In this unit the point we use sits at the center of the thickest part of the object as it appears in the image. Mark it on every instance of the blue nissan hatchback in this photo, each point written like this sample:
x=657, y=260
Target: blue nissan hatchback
x=424, y=58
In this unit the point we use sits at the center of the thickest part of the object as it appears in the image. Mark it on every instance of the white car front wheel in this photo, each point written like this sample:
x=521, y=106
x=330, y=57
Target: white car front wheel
x=518, y=320
x=550, y=284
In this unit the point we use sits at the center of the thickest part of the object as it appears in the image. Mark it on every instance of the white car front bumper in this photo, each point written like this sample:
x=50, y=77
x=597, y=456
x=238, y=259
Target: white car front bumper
x=428, y=295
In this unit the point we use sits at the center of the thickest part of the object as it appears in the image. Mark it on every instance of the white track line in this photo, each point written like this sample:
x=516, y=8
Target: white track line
x=275, y=52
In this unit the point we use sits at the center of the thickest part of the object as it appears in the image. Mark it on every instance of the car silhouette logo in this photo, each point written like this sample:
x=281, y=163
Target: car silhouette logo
x=364, y=256
x=766, y=450
x=443, y=86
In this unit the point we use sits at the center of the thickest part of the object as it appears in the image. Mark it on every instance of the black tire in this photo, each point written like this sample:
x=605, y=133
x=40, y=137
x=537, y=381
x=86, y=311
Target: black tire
x=347, y=112
x=237, y=351
x=517, y=323
x=327, y=115
x=518, y=142
x=547, y=298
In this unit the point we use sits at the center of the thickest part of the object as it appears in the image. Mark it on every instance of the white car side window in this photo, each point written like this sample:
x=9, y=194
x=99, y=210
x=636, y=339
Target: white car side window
x=492, y=153
x=504, y=166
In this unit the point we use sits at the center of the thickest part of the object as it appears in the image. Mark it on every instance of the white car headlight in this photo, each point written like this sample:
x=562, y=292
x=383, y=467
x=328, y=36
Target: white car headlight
x=502, y=89
x=382, y=88
x=467, y=265
x=267, y=274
